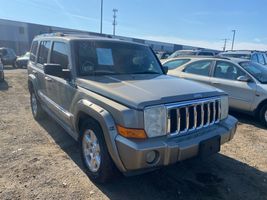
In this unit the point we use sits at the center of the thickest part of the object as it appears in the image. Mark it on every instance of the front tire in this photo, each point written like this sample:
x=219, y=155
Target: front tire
x=37, y=111
x=96, y=159
x=263, y=115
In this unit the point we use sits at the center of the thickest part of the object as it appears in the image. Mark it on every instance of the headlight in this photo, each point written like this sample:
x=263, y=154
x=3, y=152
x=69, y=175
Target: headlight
x=155, y=121
x=224, y=107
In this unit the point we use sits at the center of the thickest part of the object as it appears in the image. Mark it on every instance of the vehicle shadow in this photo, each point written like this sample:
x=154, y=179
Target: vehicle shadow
x=217, y=177
x=247, y=119
x=4, y=85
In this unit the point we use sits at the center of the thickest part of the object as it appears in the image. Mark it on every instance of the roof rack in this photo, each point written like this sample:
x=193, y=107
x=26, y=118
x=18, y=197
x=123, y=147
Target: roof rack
x=74, y=33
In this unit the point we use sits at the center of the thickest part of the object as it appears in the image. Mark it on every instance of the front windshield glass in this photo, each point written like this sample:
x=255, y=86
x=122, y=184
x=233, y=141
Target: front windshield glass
x=237, y=55
x=27, y=55
x=257, y=70
x=109, y=57
x=182, y=53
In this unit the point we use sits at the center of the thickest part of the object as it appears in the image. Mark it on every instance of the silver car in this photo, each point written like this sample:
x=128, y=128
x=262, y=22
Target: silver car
x=243, y=80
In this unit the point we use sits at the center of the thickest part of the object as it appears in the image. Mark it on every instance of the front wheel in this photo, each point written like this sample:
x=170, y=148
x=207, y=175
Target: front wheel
x=96, y=159
x=263, y=115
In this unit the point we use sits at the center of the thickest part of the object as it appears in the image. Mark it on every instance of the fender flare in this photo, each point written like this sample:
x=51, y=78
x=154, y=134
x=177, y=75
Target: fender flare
x=104, y=118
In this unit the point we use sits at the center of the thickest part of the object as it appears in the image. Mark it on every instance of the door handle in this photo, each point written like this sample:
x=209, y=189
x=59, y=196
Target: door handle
x=48, y=78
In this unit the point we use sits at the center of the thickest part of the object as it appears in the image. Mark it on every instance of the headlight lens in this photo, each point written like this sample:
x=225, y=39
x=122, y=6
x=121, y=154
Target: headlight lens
x=155, y=121
x=224, y=107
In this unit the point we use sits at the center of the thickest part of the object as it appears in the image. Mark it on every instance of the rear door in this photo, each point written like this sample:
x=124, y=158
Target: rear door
x=198, y=71
x=241, y=94
x=37, y=62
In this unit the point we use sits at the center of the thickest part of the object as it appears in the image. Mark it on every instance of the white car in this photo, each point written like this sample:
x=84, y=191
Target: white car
x=244, y=81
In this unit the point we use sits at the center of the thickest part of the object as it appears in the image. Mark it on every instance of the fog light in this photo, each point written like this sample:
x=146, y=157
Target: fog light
x=151, y=157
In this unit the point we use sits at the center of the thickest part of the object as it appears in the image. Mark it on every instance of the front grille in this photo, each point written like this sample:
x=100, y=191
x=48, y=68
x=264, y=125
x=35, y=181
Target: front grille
x=193, y=115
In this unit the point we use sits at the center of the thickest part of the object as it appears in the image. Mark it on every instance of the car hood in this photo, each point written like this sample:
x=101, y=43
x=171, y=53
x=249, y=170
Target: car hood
x=139, y=91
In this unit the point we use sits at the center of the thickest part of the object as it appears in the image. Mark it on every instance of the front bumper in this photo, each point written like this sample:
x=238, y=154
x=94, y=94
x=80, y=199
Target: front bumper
x=133, y=153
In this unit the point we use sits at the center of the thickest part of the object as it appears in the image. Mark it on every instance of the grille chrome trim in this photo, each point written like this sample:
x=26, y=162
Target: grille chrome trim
x=206, y=112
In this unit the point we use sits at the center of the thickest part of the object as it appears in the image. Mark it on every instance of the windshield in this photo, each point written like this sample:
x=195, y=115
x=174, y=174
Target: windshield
x=257, y=70
x=173, y=64
x=109, y=57
x=237, y=55
x=27, y=55
x=182, y=53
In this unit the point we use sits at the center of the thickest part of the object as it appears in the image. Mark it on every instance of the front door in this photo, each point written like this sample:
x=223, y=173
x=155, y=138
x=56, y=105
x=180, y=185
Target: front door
x=59, y=90
x=241, y=94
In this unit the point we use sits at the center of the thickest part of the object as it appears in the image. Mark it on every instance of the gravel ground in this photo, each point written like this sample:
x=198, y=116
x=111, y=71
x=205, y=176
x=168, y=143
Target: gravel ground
x=41, y=161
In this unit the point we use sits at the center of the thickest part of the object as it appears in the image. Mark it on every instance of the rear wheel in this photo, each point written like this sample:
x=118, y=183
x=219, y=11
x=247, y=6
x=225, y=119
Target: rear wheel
x=37, y=111
x=263, y=115
x=96, y=159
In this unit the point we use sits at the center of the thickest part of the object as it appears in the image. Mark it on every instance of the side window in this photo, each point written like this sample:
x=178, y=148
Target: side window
x=254, y=58
x=175, y=63
x=43, y=52
x=59, y=54
x=261, y=59
x=227, y=70
x=199, y=67
x=33, y=51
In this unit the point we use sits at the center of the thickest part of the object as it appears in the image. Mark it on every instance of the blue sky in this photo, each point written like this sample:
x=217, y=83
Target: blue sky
x=191, y=22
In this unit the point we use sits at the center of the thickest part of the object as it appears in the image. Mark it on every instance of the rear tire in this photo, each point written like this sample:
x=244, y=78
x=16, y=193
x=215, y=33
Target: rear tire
x=37, y=111
x=263, y=115
x=95, y=156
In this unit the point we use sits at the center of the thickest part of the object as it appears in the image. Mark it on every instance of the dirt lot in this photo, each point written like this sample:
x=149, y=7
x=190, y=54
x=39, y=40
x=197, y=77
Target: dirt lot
x=41, y=161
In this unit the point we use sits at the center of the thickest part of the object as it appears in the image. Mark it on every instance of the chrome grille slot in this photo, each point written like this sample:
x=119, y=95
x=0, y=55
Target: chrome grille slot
x=193, y=115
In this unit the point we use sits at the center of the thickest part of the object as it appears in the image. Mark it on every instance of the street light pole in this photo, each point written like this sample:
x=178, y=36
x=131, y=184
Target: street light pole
x=101, y=20
x=233, y=41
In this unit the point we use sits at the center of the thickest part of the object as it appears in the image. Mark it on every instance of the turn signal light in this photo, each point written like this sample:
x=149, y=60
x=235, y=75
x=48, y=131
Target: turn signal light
x=131, y=133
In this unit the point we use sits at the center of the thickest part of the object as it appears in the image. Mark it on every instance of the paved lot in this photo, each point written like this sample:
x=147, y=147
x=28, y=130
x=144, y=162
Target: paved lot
x=40, y=161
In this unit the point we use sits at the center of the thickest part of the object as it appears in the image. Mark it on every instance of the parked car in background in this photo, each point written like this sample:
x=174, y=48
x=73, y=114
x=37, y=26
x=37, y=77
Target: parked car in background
x=244, y=81
x=255, y=56
x=21, y=62
x=115, y=98
x=162, y=55
x=8, y=56
x=2, y=75
x=192, y=53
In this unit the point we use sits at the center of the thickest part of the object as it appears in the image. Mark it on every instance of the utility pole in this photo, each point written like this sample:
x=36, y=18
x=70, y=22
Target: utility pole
x=114, y=19
x=233, y=41
x=101, y=18
x=225, y=42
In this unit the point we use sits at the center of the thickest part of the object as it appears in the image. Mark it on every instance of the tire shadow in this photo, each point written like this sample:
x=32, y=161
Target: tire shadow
x=247, y=119
x=4, y=85
x=217, y=177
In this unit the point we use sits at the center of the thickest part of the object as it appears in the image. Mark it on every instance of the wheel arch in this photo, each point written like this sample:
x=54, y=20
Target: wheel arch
x=261, y=104
x=87, y=110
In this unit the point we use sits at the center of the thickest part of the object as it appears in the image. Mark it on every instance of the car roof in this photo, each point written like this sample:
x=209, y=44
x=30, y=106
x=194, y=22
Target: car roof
x=69, y=37
x=198, y=58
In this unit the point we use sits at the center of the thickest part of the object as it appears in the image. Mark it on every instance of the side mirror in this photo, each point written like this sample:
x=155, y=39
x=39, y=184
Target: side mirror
x=243, y=78
x=165, y=69
x=56, y=70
